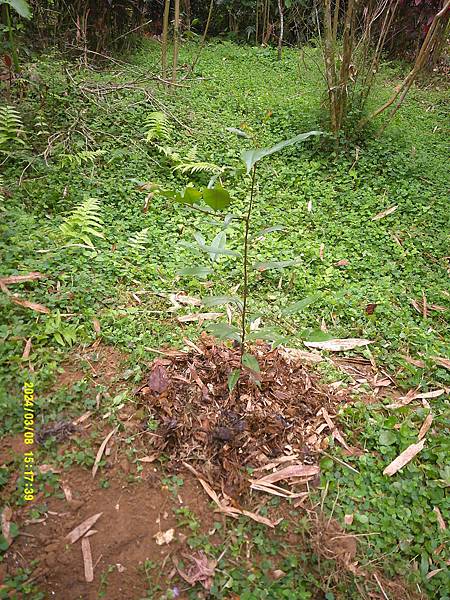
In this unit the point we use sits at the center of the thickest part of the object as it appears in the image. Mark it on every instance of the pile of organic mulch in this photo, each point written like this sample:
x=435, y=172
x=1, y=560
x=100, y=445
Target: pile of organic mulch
x=284, y=411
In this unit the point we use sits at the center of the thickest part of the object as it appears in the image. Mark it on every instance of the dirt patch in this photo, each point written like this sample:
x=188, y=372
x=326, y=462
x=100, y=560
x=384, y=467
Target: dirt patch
x=280, y=411
x=132, y=515
x=99, y=363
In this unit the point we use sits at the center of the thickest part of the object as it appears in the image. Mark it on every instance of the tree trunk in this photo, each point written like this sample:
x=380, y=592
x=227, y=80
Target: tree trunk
x=280, y=39
x=176, y=40
x=165, y=36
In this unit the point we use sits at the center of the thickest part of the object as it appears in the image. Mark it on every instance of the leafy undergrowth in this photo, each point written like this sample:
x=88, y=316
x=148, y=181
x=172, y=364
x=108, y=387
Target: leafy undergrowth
x=113, y=265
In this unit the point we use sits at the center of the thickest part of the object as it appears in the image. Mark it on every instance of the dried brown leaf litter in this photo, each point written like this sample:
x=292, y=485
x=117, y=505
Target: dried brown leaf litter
x=224, y=434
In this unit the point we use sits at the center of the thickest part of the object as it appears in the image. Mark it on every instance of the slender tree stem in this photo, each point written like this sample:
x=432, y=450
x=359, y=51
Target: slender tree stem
x=176, y=40
x=165, y=34
x=12, y=41
x=246, y=240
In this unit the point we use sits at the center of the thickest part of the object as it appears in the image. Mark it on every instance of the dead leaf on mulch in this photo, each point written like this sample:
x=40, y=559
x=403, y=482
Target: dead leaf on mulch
x=83, y=528
x=87, y=560
x=404, y=458
x=6, y=524
x=337, y=345
x=158, y=381
x=308, y=471
x=201, y=570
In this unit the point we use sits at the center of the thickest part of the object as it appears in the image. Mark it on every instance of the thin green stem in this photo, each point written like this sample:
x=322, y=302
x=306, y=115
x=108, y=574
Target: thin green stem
x=246, y=240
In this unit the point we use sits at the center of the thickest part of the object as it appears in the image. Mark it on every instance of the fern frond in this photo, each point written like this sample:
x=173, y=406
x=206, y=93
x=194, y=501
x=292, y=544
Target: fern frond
x=139, y=240
x=191, y=155
x=157, y=127
x=11, y=127
x=168, y=152
x=80, y=158
x=198, y=167
x=83, y=222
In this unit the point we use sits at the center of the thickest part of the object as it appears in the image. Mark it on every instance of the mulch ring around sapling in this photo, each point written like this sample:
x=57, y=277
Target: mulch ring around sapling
x=276, y=417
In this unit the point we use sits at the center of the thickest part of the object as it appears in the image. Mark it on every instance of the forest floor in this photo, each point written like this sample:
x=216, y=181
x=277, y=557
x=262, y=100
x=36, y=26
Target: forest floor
x=364, y=236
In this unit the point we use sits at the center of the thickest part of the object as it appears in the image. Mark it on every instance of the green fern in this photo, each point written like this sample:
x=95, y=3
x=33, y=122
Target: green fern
x=80, y=158
x=157, y=127
x=139, y=240
x=42, y=128
x=198, y=167
x=11, y=128
x=83, y=222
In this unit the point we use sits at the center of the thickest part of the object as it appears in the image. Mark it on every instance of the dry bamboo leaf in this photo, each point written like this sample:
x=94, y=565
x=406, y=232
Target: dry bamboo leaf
x=27, y=349
x=48, y=469
x=433, y=573
x=334, y=430
x=98, y=458
x=21, y=278
x=443, y=362
x=6, y=524
x=148, y=459
x=164, y=537
x=404, y=458
x=440, y=519
x=87, y=559
x=228, y=510
x=83, y=417
x=287, y=473
x=40, y=308
x=385, y=213
x=90, y=533
x=183, y=299
x=82, y=528
x=338, y=345
x=67, y=492
x=425, y=426
x=433, y=394
x=302, y=356
x=415, y=361
x=410, y=396
x=198, y=317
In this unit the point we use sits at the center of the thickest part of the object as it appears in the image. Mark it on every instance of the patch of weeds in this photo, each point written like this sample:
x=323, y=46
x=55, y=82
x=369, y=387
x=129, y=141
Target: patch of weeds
x=17, y=584
x=172, y=483
x=103, y=587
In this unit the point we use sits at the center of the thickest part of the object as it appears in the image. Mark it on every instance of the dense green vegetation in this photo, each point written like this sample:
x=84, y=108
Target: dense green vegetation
x=103, y=146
